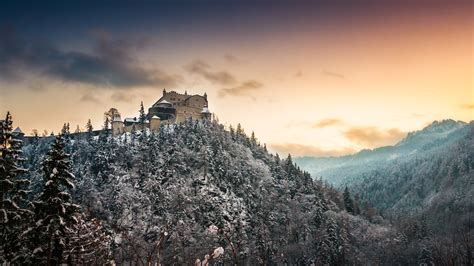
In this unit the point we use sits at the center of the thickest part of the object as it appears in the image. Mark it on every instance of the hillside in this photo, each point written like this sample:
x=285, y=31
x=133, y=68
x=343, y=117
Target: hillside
x=195, y=187
x=194, y=193
x=429, y=172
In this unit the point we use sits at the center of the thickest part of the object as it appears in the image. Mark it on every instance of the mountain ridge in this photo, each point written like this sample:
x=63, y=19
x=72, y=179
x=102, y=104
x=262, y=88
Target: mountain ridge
x=436, y=135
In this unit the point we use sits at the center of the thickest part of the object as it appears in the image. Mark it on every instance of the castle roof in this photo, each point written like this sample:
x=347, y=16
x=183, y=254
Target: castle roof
x=164, y=101
x=177, y=97
x=17, y=130
x=131, y=120
x=117, y=119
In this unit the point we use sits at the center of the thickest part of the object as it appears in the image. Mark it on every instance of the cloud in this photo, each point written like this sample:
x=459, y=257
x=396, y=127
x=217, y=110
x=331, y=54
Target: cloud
x=231, y=59
x=109, y=65
x=201, y=68
x=243, y=89
x=89, y=97
x=307, y=150
x=122, y=97
x=328, y=122
x=299, y=74
x=333, y=74
x=468, y=106
x=372, y=137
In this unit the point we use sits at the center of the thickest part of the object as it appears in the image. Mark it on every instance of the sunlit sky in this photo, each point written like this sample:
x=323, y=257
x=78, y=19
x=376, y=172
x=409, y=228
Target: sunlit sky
x=320, y=78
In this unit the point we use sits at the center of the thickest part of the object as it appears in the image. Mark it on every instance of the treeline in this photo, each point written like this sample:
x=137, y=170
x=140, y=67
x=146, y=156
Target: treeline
x=45, y=228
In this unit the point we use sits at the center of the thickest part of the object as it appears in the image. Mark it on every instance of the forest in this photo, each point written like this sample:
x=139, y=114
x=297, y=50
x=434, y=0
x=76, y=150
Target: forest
x=198, y=193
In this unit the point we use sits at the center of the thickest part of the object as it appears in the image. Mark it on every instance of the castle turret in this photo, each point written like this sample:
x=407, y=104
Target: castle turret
x=117, y=125
x=205, y=113
x=155, y=123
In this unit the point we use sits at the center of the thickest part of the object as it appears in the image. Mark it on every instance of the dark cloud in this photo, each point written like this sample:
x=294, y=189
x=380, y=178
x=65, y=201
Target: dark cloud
x=89, y=97
x=111, y=64
x=372, y=137
x=307, y=150
x=333, y=74
x=201, y=68
x=328, y=122
x=122, y=97
x=243, y=89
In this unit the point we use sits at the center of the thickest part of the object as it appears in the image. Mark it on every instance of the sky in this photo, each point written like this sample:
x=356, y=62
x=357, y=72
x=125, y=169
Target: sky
x=319, y=78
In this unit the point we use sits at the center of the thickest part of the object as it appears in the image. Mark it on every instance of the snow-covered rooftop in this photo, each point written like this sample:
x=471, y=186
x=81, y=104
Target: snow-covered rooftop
x=131, y=119
x=205, y=110
x=164, y=101
x=17, y=130
x=155, y=117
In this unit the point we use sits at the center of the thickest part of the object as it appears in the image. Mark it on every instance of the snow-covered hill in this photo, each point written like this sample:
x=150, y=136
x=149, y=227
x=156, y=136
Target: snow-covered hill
x=337, y=170
x=429, y=172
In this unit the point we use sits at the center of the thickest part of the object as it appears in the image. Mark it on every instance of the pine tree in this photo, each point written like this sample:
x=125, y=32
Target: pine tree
x=330, y=247
x=239, y=131
x=104, y=135
x=54, y=210
x=253, y=139
x=89, y=127
x=142, y=116
x=348, y=202
x=13, y=212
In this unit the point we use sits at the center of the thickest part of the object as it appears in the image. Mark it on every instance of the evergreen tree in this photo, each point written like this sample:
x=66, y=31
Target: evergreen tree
x=104, y=135
x=54, y=210
x=253, y=139
x=240, y=131
x=330, y=248
x=89, y=127
x=13, y=212
x=142, y=116
x=348, y=202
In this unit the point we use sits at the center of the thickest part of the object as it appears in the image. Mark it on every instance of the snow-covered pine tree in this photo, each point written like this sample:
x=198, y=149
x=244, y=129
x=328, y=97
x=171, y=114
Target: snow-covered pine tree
x=54, y=210
x=348, y=202
x=142, y=116
x=13, y=194
x=104, y=135
x=331, y=246
x=89, y=127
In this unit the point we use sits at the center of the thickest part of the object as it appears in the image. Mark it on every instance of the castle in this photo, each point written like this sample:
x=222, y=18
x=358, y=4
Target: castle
x=172, y=107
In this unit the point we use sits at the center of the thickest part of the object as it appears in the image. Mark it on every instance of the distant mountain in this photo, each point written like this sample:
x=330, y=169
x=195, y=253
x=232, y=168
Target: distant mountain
x=336, y=170
x=431, y=171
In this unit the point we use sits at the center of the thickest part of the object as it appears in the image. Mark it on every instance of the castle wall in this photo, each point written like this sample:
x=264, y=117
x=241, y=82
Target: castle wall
x=155, y=125
x=117, y=128
x=183, y=112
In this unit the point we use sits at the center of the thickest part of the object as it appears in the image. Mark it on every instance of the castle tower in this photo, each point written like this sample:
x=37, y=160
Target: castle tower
x=205, y=113
x=155, y=123
x=117, y=125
